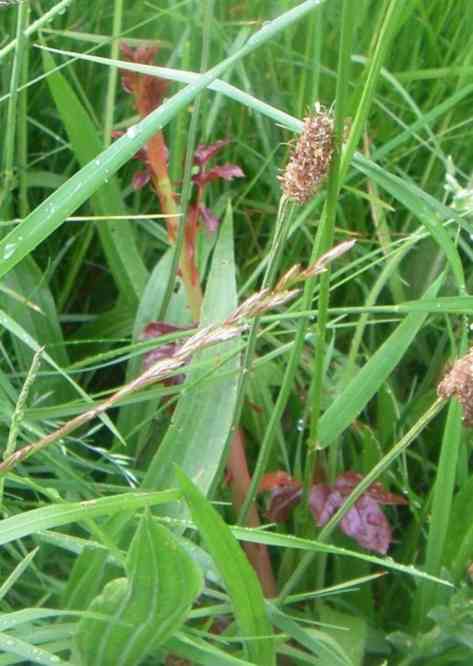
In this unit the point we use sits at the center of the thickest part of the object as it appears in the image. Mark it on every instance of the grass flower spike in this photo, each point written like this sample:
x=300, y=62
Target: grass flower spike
x=459, y=383
x=309, y=164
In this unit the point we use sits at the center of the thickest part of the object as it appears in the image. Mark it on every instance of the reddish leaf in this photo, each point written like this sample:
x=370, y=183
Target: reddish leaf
x=140, y=179
x=278, y=479
x=285, y=493
x=156, y=329
x=282, y=502
x=365, y=522
x=225, y=171
x=204, y=152
x=368, y=525
x=210, y=220
x=349, y=480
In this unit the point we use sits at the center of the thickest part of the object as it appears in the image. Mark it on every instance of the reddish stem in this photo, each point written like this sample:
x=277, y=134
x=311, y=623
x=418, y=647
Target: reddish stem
x=240, y=480
x=236, y=464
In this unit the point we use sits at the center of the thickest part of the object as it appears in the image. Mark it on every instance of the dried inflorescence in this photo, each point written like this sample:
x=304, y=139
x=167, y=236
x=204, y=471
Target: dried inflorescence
x=163, y=361
x=459, y=383
x=309, y=164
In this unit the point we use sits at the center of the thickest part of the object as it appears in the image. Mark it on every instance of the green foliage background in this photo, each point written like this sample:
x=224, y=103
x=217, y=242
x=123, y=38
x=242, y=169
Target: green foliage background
x=108, y=557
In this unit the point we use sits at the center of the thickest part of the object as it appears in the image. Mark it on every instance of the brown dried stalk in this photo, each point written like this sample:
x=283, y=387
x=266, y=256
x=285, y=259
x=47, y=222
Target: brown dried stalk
x=254, y=306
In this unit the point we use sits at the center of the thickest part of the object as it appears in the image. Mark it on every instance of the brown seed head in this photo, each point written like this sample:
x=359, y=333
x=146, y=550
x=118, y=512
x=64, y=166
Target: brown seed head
x=459, y=383
x=310, y=162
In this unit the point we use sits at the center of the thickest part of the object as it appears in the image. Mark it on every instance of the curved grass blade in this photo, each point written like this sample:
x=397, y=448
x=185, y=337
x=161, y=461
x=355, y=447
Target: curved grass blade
x=9, y=645
x=48, y=517
x=118, y=238
x=239, y=577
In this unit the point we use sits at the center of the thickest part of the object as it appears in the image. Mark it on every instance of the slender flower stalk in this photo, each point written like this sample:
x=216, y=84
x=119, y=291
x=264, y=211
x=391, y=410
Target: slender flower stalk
x=176, y=361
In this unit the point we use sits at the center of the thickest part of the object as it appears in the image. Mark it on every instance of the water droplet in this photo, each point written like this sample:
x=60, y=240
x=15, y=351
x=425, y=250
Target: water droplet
x=9, y=250
x=132, y=131
x=300, y=425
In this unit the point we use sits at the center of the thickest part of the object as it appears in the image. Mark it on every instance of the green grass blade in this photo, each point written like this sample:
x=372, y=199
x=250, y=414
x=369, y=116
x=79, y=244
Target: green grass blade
x=255, y=535
x=239, y=577
x=348, y=404
x=117, y=237
x=444, y=488
x=46, y=518
x=10, y=645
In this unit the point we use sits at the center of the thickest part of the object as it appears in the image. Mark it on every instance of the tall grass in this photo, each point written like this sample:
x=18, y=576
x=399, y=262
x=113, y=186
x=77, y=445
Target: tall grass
x=133, y=518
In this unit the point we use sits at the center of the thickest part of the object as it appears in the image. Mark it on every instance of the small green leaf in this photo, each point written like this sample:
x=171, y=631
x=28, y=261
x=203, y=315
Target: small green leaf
x=146, y=608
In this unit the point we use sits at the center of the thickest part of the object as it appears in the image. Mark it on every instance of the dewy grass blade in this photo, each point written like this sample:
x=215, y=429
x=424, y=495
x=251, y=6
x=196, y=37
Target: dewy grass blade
x=50, y=214
x=45, y=518
x=240, y=579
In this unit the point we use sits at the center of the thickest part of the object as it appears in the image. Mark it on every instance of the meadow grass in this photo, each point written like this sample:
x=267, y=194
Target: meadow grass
x=134, y=528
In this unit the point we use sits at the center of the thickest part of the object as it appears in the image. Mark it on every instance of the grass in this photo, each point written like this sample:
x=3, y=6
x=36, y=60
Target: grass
x=133, y=526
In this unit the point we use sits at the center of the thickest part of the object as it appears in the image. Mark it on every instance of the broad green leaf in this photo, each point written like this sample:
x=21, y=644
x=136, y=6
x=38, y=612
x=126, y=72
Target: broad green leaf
x=354, y=398
x=348, y=630
x=85, y=579
x=30, y=522
x=146, y=608
x=238, y=575
x=135, y=421
x=195, y=440
x=117, y=237
x=20, y=333
x=43, y=326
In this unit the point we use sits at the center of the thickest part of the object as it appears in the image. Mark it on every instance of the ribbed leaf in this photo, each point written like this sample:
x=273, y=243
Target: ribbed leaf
x=147, y=607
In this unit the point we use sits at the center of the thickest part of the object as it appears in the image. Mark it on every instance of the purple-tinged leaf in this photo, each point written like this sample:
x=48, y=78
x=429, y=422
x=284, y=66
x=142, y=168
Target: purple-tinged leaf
x=204, y=152
x=210, y=220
